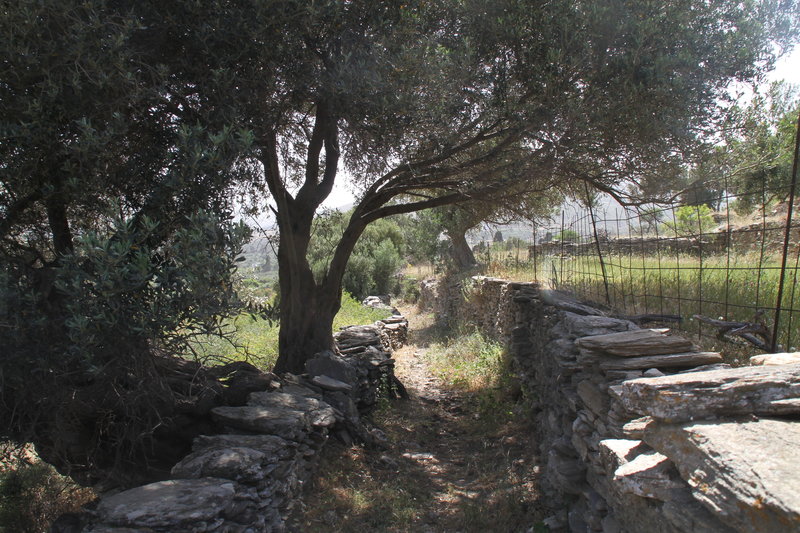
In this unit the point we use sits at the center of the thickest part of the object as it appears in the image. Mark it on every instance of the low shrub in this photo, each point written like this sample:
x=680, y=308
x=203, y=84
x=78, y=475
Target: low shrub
x=33, y=495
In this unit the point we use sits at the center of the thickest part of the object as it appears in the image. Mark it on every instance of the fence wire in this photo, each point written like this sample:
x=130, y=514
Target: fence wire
x=727, y=275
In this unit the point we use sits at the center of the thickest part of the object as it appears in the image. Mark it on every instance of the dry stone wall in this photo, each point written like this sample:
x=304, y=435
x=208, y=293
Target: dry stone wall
x=639, y=430
x=245, y=478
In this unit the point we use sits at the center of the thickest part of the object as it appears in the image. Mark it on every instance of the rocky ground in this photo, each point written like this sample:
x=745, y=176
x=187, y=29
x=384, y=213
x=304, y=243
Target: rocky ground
x=453, y=461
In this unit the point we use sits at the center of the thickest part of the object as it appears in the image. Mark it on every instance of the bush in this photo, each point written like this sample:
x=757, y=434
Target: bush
x=691, y=220
x=568, y=235
x=33, y=495
x=386, y=263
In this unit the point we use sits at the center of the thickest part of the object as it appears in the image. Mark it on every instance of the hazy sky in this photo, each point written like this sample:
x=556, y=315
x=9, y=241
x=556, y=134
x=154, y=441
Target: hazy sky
x=788, y=68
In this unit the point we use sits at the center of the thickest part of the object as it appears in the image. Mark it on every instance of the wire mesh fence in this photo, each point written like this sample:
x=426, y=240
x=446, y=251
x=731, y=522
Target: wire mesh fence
x=727, y=272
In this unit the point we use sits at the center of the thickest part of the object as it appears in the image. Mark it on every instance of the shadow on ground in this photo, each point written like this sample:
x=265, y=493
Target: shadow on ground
x=453, y=462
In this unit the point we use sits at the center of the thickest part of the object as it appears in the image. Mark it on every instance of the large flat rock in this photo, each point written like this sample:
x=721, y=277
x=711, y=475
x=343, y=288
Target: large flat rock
x=770, y=359
x=586, y=325
x=636, y=343
x=317, y=412
x=238, y=464
x=168, y=504
x=285, y=423
x=649, y=475
x=269, y=444
x=674, y=360
x=696, y=395
x=747, y=473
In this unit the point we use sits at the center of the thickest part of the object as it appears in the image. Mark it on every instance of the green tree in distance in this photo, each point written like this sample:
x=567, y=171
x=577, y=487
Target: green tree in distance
x=759, y=149
x=377, y=257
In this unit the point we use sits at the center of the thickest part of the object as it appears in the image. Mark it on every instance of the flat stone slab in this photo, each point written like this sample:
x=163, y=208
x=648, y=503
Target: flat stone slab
x=269, y=444
x=329, y=383
x=586, y=325
x=746, y=473
x=238, y=464
x=617, y=452
x=650, y=475
x=675, y=360
x=770, y=359
x=168, y=504
x=636, y=343
x=313, y=411
x=698, y=395
x=285, y=423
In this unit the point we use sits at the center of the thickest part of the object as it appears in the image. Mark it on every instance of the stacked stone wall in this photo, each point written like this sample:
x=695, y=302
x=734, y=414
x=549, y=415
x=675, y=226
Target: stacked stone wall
x=638, y=430
x=246, y=478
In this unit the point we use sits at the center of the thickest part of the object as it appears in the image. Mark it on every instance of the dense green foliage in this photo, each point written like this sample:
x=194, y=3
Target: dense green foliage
x=759, y=151
x=115, y=239
x=690, y=220
x=376, y=259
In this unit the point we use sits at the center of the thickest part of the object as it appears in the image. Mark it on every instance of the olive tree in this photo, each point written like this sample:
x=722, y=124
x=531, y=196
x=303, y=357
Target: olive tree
x=428, y=104
x=116, y=245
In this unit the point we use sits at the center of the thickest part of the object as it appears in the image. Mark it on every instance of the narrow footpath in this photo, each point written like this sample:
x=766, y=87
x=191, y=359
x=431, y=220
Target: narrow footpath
x=454, y=461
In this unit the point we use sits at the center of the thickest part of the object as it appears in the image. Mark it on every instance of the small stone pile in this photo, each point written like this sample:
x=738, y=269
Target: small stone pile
x=243, y=480
x=246, y=478
x=641, y=431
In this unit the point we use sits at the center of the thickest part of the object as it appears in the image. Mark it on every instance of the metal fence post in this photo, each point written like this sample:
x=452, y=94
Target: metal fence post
x=787, y=236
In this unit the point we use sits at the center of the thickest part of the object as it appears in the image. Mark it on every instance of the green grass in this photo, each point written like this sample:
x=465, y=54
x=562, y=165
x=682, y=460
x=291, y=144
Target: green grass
x=474, y=364
x=716, y=287
x=255, y=340
x=467, y=362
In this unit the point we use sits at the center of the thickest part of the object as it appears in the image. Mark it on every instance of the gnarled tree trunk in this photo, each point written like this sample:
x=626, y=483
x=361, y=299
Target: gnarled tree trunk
x=460, y=251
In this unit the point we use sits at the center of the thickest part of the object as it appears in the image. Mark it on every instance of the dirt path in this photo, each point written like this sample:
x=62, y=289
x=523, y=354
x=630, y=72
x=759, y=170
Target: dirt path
x=454, y=461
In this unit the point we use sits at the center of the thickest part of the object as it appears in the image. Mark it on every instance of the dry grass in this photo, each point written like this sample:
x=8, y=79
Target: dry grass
x=459, y=458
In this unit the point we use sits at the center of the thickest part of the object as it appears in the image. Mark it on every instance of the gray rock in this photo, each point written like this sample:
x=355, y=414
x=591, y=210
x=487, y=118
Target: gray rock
x=332, y=365
x=285, y=423
x=595, y=399
x=568, y=473
x=636, y=343
x=697, y=395
x=329, y=383
x=635, y=428
x=770, y=359
x=617, y=452
x=584, y=325
x=168, y=504
x=106, y=529
x=649, y=361
x=686, y=514
x=746, y=473
x=565, y=301
x=268, y=444
x=650, y=475
x=313, y=410
x=238, y=464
